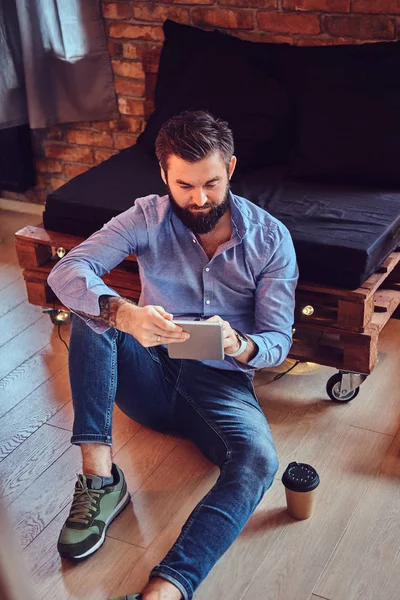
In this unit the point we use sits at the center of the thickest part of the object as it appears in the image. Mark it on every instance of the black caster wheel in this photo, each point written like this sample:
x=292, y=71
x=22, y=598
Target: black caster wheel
x=333, y=390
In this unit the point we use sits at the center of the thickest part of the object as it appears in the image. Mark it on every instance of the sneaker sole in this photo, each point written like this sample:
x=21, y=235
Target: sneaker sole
x=117, y=510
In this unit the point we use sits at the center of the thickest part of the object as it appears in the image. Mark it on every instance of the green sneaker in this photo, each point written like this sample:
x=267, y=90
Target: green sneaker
x=128, y=597
x=93, y=509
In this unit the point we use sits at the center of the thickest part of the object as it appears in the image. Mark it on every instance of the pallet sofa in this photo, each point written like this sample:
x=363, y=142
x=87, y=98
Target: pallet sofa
x=316, y=135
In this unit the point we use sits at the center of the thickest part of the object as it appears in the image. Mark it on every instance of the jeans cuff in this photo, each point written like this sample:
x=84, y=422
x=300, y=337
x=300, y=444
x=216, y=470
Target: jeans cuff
x=93, y=438
x=174, y=577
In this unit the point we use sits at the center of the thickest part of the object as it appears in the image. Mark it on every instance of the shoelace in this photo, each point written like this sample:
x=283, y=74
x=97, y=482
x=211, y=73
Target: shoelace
x=84, y=502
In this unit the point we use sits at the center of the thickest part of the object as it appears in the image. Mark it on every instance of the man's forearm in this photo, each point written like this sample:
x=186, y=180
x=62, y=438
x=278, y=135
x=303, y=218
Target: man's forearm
x=110, y=307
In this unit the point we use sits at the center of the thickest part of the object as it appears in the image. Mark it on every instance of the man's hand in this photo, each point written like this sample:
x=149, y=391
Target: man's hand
x=231, y=342
x=149, y=325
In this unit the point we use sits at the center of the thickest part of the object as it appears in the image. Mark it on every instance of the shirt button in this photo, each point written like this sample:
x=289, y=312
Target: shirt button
x=207, y=269
x=207, y=301
x=194, y=241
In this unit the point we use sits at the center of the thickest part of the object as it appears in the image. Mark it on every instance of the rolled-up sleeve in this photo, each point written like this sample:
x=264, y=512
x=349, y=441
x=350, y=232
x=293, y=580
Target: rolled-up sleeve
x=274, y=302
x=76, y=278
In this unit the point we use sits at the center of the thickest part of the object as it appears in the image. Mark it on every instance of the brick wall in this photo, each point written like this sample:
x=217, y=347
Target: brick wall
x=135, y=34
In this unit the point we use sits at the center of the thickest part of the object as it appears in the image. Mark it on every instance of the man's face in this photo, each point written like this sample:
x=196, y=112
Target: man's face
x=199, y=192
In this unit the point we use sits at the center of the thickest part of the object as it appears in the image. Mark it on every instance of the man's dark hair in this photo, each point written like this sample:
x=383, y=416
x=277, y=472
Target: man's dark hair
x=192, y=136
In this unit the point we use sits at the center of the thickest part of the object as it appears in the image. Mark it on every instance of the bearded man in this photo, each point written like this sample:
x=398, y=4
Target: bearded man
x=203, y=253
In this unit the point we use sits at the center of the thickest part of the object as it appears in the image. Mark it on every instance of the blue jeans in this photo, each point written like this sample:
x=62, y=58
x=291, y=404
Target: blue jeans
x=217, y=409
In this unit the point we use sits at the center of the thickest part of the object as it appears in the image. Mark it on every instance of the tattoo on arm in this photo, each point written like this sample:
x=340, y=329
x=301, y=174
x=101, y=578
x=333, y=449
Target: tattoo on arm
x=109, y=306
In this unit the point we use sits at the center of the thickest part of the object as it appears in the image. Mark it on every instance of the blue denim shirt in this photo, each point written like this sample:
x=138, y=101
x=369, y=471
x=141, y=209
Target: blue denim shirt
x=250, y=281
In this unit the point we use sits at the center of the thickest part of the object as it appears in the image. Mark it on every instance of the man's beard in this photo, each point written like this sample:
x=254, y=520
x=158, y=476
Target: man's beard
x=201, y=222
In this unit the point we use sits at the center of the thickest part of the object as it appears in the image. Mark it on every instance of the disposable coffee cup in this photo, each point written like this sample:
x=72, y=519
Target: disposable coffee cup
x=300, y=481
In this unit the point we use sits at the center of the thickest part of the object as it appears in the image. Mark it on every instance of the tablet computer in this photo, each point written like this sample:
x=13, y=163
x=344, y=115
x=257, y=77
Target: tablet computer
x=205, y=342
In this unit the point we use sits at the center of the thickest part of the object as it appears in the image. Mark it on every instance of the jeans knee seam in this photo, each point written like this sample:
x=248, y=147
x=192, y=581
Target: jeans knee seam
x=211, y=425
x=176, y=386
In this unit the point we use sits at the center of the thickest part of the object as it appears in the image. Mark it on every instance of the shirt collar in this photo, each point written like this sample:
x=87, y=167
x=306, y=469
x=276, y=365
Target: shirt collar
x=237, y=216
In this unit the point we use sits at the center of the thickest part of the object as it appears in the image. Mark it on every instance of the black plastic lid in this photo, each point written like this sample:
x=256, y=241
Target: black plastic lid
x=300, y=477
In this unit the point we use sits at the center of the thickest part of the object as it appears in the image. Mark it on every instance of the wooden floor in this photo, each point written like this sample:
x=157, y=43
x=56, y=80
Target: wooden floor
x=349, y=549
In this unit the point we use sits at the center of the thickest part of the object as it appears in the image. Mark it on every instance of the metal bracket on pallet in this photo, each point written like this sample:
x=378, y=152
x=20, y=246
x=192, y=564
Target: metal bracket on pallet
x=350, y=381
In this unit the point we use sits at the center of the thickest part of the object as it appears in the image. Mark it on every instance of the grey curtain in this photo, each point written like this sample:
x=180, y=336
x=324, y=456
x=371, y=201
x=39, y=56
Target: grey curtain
x=54, y=63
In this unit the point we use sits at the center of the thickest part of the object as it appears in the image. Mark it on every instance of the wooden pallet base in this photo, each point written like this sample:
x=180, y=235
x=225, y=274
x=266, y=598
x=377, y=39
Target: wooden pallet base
x=335, y=327
x=350, y=310
x=344, y=329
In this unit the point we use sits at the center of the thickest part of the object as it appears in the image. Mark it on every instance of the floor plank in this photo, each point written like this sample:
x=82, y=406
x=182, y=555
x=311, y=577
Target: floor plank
x=235, y=570
x=8, y=251
x=37, y=408
x=392, y=586
x=45, y=497
x=373, y=536
x=15, y=582
x=22, y=467
x=11, y=296
x=25, y=345
x=292, y=568
x=30, y=375
x=157, y=497
x=141, y=456
x=303, y=420
x=9, y=273
x=301, y=388
x=17, y=320
x=311, y=434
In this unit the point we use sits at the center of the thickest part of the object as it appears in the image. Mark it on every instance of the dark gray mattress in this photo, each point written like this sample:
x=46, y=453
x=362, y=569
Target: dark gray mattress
x=341, y=233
